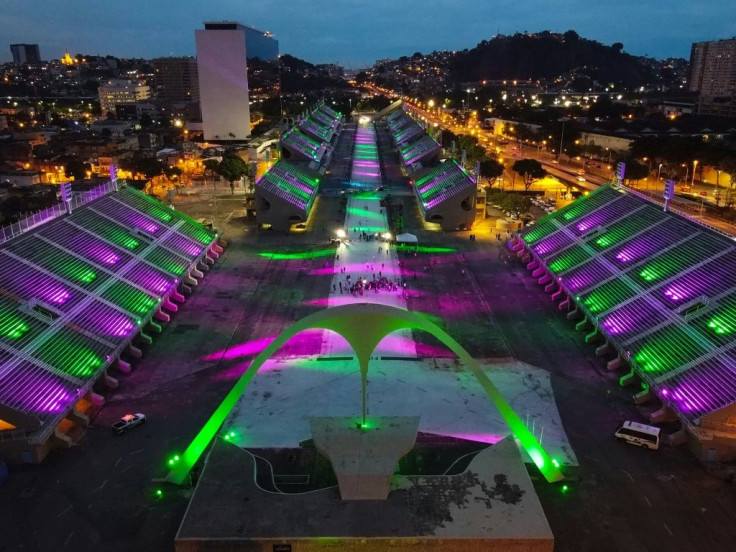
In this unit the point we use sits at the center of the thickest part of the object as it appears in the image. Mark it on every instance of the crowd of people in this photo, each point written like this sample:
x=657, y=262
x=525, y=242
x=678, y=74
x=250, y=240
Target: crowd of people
x=361, y=285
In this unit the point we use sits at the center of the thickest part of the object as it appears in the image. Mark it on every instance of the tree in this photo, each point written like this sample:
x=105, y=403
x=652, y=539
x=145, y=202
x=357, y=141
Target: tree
x=516, y=204
x=636, y=171
x=530, y=170
x=490, y=169
x=473, y=150
x=76, y=168
x=232, y=169
x=211, y=166
x=146, y=120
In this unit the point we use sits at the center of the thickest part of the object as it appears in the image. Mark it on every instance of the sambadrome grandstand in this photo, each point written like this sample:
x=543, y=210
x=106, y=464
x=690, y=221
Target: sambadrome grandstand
x=660, y=290
x=75, y=291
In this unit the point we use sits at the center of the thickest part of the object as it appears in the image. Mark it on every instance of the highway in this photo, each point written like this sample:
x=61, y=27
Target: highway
x=692, y=205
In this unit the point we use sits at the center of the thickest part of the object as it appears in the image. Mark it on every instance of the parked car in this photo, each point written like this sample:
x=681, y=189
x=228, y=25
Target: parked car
x=127, y=422
x=637, y=434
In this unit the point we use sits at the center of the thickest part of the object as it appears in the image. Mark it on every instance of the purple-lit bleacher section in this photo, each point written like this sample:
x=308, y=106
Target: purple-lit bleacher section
x=660, y=288
x=78, y=288
x=587, y=275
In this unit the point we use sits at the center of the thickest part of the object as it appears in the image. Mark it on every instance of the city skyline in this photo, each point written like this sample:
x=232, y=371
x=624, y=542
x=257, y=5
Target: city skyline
x=321, y=32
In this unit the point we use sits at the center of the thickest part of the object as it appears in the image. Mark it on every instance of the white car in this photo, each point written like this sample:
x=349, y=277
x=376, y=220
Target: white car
x=128, y=421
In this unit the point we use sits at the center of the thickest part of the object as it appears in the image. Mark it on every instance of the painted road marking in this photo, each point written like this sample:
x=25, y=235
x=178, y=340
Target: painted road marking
x=627, y=473
x=647, y=501
x=668, y=530
x=64, y=511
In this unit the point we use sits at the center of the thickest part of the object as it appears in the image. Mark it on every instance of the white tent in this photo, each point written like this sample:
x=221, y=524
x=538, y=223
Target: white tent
x=406, y=238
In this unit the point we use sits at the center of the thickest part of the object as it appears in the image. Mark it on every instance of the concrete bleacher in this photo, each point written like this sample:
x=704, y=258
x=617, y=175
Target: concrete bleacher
x=446, y=195
x=285, y=195
x=660, y=289
x=74, y=292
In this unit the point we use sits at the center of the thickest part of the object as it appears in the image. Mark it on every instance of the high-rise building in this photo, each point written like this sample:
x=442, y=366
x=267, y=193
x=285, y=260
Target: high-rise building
x=121, y=92
x=25, y=53
x=713, y=76
x=176, y=79
x=223, y=50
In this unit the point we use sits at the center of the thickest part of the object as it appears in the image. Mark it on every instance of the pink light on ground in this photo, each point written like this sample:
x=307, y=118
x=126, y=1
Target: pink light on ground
x=396, y=344
x=361, y=269
x=336, y=301
x=241, y=350
x=489, y=438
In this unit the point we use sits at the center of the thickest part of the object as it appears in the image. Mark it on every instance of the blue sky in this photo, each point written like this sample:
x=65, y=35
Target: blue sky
x=357, y=32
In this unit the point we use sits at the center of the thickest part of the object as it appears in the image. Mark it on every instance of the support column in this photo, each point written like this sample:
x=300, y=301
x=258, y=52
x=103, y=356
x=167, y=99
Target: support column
x=556, y=294
x=538, y=272
x=532, y=265
x=544, y=279
x=603, y=349
x=643, y=396
x=94, y=398
x=110, y=382
x=162, y=316
x=78, y=418
x=592, y=335
x=169, y=306
x=677, y=438
x=134, y=351
x=582, y=324
x=549, y=287
x=196, y=274
x=614, y=364
x=147, y=339
x=662, y=415
x=564, y=305
x=178, y=297
x=123, y=366
x=572, y=315
x=628, y=379
x=154, y=327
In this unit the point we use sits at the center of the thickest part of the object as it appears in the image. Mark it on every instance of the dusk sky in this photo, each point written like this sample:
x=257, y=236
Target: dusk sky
x=355, y=33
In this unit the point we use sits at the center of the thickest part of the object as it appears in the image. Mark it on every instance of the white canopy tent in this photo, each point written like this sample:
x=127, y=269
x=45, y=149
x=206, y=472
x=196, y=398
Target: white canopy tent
x=406, y=238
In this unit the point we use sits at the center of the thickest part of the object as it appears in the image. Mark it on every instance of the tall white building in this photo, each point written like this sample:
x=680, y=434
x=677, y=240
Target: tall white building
x=121, y=92
x=222, y=54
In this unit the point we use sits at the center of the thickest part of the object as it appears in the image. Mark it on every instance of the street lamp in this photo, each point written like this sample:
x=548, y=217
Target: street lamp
x=695, y=165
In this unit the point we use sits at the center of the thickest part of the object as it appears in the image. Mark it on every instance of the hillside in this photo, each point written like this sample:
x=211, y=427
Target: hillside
x=550, y=56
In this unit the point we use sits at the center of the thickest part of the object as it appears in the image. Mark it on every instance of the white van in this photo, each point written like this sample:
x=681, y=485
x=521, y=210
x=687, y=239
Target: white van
x=639, y=434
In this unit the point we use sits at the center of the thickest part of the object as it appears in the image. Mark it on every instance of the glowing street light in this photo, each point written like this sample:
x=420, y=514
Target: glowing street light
x=341, y=234
x=695, y=166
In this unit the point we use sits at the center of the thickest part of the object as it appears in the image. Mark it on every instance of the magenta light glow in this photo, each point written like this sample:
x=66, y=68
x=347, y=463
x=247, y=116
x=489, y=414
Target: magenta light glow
x=398, y=344
x=490, y=438
x=360, y=269
x=33, y=391
x=249, y=348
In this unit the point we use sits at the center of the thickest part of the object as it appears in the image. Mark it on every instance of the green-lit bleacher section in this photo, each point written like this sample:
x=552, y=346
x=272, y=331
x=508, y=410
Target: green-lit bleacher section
x=299, y=143
x=316, y=129
x=442, y=183
x=290, y=184
x=310, y=138
x=660, y=287
x=76, y=290
x=413, y=143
